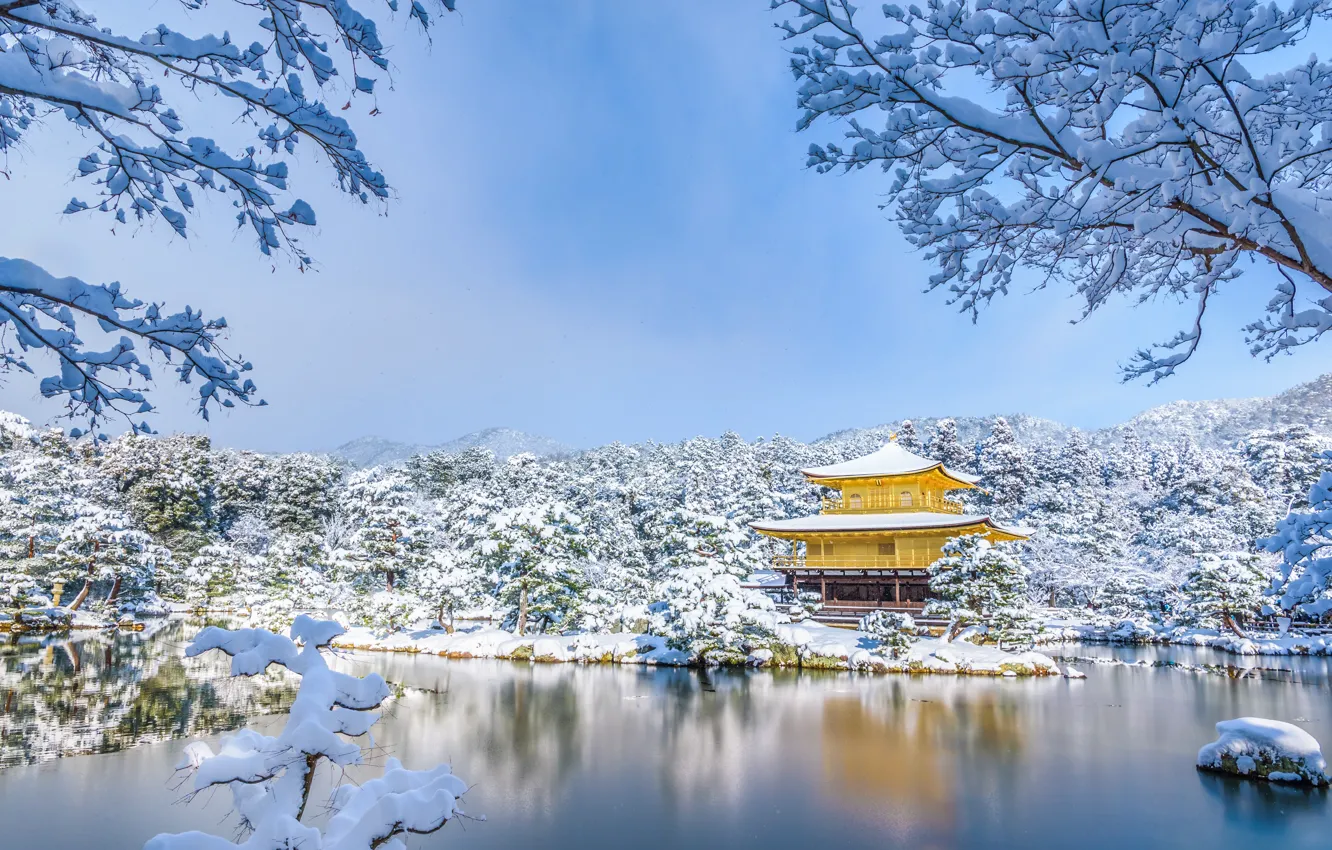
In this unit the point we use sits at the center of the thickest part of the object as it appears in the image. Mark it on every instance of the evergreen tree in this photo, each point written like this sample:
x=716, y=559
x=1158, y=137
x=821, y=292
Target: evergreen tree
x=447, y=583
x=537, y=551
x=391, y=536
x=946, y=448
x=977, y=582
x=1303, y=539
x=907, y=437
x=894, y=631
x=1007, y=471
x=1285, y=462
x=1078, y=463
x=99, y=546
x=1227, y=588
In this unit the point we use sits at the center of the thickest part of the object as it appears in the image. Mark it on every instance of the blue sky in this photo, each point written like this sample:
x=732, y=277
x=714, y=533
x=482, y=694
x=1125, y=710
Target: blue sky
x=603, y=230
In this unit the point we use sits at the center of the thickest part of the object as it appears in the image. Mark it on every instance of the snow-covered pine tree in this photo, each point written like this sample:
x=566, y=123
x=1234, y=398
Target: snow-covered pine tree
x=946, y=448
x=977, y=582
x=1303, y=539
x=213, y=574
x=536, y=550
x=704, y=610
x=100, y=547
x=1078, y=463
x=908, y=438
x=446, y=583
x=1285, y=462
x=391, y=536
x=1225, y=590
x=1006, y=469
x=1128, y=461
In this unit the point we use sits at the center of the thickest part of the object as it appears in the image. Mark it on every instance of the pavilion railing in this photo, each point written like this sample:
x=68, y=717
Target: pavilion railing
x=905, y=560
x=887, y=503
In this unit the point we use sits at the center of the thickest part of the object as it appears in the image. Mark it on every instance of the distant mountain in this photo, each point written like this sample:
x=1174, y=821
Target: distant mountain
x=1225, y=421
x=1212, y=424
x=504, y=442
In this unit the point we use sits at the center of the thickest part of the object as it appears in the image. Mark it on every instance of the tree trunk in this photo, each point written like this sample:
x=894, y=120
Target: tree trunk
x=953, y=628
x=388, y=574
x=87, y=581
x=83, y=593
x=1231, y=624
x=115, y=592
x=522, y=611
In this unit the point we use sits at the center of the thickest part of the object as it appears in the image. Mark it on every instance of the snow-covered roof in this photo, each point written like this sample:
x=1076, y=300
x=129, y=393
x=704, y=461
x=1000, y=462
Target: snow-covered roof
x=892, y=459
x=821, y=523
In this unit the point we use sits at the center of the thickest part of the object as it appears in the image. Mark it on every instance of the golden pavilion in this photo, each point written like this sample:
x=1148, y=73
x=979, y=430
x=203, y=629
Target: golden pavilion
x=870, y=544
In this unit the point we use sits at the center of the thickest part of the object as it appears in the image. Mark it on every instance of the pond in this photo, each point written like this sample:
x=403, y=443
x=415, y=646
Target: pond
x=565, y=756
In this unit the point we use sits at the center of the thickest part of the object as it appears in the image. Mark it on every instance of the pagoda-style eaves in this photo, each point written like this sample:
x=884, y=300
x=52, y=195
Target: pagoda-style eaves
x=844, y=524
x=891, y=462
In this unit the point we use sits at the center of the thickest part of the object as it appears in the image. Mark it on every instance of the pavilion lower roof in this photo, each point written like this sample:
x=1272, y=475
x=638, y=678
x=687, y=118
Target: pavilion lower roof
x=820, y=524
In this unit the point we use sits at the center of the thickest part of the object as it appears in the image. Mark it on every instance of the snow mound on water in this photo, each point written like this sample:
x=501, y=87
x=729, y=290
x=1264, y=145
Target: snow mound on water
x=1265, y=749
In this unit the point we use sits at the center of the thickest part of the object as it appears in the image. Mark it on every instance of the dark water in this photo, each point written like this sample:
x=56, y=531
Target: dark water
x=563, y=756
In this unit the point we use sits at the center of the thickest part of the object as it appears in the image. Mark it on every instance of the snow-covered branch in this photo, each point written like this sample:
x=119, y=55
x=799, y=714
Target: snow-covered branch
x=1123, y=147
x=57, y=60
x=270, y=777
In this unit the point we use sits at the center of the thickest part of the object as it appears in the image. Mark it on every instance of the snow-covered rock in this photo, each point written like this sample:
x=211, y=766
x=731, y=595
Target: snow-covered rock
x=1258, y=748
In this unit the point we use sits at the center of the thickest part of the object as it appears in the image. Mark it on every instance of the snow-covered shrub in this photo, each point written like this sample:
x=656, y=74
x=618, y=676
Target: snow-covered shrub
x=1224, y=590
x=384, y=612
x=708, y=614
x=893, y=630
x=270, y=778
x=977, y=582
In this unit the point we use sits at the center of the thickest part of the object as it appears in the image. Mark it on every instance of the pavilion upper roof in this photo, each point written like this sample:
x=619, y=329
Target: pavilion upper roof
x=890, y=460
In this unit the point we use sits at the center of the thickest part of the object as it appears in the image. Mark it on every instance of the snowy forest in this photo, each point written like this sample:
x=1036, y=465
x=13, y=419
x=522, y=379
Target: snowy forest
x=649, y=537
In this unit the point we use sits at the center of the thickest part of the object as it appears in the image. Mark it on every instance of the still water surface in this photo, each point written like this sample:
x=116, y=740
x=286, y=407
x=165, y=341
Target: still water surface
x=563, y=756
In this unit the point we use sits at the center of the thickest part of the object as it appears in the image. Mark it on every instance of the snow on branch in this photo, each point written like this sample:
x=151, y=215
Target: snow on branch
x=57, y=60
x=39, y=312
x=270, y=778
x=1123, y=148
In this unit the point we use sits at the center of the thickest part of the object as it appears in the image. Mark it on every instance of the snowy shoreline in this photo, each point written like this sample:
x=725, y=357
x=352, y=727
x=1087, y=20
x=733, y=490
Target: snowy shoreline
x=1131, y=633
x=804, y=645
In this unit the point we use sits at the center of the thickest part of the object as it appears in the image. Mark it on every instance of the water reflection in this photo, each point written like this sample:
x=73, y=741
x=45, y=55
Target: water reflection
x=100, y=692
x=566, y=756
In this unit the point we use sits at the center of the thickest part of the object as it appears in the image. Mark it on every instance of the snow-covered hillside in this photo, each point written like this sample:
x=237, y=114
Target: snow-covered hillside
x=1215, y=424
x=504, y=442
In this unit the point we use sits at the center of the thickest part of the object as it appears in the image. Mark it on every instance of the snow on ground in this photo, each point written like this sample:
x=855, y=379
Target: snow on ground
x=1135, y=631
x=808, y=644
x=1265, y=749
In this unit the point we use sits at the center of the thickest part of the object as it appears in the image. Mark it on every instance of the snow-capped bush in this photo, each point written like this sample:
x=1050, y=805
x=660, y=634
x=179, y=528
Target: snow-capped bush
x=893, y=630
x=709, y=615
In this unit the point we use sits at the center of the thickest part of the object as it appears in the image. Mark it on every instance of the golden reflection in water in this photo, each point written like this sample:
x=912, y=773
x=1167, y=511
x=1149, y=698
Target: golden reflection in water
x=901, y=760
